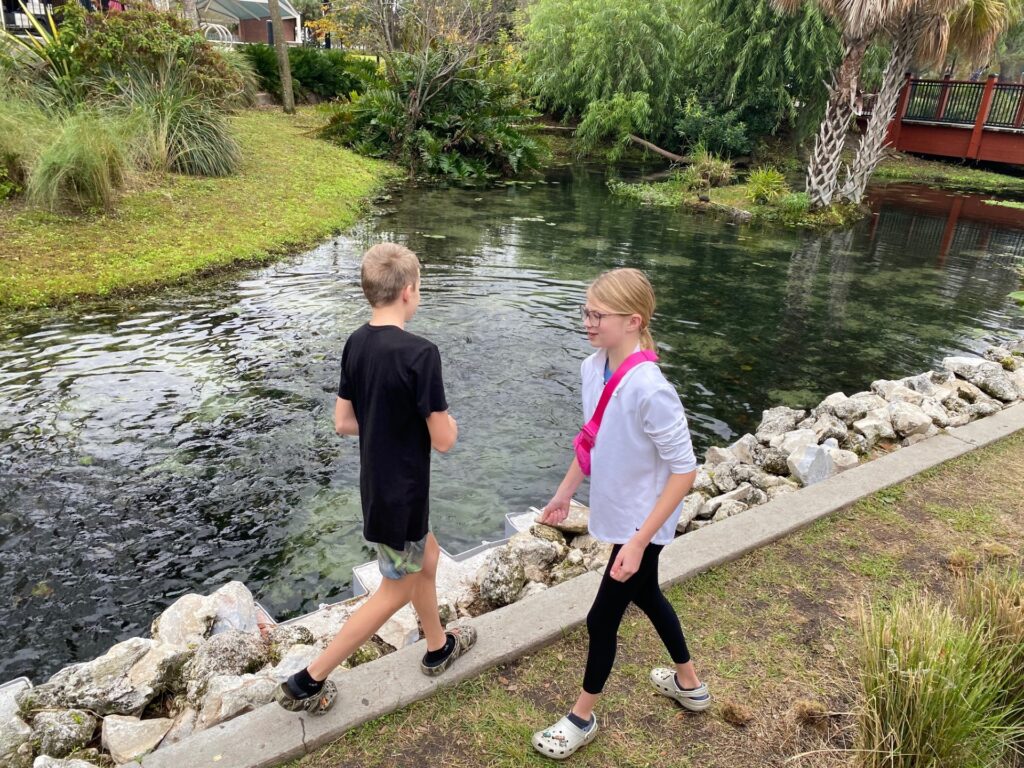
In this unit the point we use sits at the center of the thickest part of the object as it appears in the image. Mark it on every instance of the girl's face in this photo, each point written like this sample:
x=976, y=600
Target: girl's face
x=606, y=328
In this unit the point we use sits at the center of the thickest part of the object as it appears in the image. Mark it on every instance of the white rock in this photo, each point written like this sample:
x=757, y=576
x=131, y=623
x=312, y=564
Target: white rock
x=777, y=421
x=228, y=696
x=989, y=377
x=401, y=629
x=704, y=484
x=104, y=685
x=692, y=506
x=728, y=508
x=829, y=404
x=184, y=725
x=716, y=455
x=722, y=475
x=876, y=425
x=696, y=525
x=229, y=653
x=857, y=406
x=537, y=555
x=129, y=738
x=779, y=490
x=746, y=449
x=234, y=608
x=908, y=419
x=930, y=383
x=186, y=623
x=531, y=588
x=15, y=743
x=933, y=408
x=895, y=392
x=843, y=459
x=811, y=464
x=45, y=761
x=791, y=441
x=295, y=659
x=502, y=577
x=828, y=425
x=740, y=493
x=577, y=520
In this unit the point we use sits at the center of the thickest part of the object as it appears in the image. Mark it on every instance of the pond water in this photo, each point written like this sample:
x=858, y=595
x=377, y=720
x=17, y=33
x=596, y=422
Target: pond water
x=163, y=445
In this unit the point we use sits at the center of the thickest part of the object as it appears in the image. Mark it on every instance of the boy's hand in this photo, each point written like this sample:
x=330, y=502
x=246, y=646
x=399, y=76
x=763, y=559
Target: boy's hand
x=555, y=511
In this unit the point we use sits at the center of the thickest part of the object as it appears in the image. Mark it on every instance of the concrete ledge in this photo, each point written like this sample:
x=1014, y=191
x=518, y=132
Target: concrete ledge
x=270, y=735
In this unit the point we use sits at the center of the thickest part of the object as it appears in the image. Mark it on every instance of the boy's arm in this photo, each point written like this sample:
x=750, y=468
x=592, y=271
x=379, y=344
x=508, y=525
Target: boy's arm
x=345, y=422
x=444, y=431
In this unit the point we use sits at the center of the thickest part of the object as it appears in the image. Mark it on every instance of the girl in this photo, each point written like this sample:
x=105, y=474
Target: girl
x=642, y=466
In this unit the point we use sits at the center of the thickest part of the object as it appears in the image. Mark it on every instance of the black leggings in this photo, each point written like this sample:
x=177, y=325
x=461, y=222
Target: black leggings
x=613, y=597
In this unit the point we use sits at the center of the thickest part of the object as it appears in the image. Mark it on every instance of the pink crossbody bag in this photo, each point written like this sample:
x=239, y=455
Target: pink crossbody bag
x=584, y=441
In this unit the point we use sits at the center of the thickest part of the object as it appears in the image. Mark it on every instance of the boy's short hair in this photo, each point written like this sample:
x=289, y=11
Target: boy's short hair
x=387, y=269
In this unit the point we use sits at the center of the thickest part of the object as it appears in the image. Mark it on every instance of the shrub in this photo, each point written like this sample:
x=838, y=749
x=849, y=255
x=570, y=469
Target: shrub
x=793, y=206
x=994, y=599
x=932, y=690
x=24, y=129
x=719, y=129
x=766, y=184
x=617, y=118
x=716, y=171
x=8, y=188
x=467, y=130
x=323, y=74
x=84, y=165
x=176, y=129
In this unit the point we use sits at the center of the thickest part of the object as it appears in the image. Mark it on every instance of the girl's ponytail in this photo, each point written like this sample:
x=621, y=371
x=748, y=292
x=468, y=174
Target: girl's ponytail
x=627, y=291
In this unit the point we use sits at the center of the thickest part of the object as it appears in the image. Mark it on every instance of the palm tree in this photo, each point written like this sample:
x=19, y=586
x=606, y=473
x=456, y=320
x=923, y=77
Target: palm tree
x=925, y=33
x=283, y=65
x=858, y=21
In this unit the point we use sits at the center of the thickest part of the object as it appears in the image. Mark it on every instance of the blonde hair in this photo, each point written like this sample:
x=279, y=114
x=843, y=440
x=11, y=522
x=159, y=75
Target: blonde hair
x=627, y=291
x=387, y=269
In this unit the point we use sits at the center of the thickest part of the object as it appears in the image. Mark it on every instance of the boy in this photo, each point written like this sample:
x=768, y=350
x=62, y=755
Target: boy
x=392, y=396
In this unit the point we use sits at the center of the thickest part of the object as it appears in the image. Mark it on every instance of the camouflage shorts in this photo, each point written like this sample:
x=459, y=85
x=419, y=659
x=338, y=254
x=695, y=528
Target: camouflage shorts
x=394, y=563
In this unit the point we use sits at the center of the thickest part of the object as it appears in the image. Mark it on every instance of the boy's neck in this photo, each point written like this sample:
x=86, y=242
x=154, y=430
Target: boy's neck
x=618, y=353
x=393, y=314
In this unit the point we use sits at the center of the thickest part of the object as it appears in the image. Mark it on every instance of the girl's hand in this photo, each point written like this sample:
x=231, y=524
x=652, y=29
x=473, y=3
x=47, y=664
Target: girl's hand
x=556, y=511
x=627, y=562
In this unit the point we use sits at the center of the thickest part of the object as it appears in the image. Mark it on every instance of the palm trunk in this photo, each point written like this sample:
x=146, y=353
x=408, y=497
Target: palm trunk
x=872, y=144
x=823, y=167
x=281, y=47
x=190, y=11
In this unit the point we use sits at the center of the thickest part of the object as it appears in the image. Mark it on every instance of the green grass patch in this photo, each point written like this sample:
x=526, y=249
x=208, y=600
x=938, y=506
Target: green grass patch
x=1006, y=203
x=948, y=176
x=291, y=191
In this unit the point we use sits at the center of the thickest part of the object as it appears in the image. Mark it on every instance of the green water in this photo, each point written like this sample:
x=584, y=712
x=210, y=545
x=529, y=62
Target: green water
x=165, y=445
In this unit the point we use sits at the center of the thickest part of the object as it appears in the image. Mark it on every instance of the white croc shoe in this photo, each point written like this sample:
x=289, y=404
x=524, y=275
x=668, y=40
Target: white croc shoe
x=562, y=739
x=664, y=681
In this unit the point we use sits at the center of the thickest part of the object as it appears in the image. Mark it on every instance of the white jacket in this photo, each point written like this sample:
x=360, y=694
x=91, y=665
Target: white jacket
x=642, y=439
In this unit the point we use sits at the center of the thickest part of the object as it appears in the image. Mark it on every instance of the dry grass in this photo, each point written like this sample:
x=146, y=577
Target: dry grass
x=774, y=634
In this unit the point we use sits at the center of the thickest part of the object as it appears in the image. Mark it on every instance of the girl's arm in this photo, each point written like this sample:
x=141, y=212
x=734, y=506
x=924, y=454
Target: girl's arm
x=558, y=508
x=664, y=421
x=628, y=560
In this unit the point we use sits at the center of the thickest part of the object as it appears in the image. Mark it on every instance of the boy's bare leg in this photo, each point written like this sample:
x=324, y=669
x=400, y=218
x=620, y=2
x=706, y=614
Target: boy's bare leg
x=424, y=597
x=361, y=626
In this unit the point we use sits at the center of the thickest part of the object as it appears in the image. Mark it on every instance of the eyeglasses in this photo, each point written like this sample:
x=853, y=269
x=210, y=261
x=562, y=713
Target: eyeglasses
x=590, y=317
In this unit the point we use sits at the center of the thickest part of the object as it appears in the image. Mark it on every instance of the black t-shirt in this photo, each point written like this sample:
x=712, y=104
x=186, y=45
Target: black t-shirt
x=393, y=379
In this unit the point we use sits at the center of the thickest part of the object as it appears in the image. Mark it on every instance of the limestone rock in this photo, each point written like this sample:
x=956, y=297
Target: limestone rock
x=692, y=505
x=45, y=761
x=595, y=553
x=746, y=449
x=129, y=738
x=722, y=474
x=774, y=460
x=105, y=685
x=1003, y=356
x=297, y=658
x=908, y=419
x=989, y=377
x=15, y=742
x=229, y=653
x=234, y=609
x=935, y=411
x=728, y=508
x=716, y=455
x=843, y=459
x=501, y=577
x=777, y=421
x=696, y=525
x=183, y=727
x=876, y=426
x=281, y=637
x=187, y=622
x=573, y=565
x=829, y=425
x=983, y=408
x=60, y=732
x=547, y=533
x=577, y=521
x=703, y=483
x=228, y=696
x=536, y=555
x=741, y=493
x=779, y=490
x=930, y=383
x=828, y=405
x=857, y=406
x=896, y=392
x=791, y=441
x=813, y=463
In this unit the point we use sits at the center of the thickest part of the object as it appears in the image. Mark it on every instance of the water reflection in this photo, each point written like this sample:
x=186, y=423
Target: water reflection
x=163, y=445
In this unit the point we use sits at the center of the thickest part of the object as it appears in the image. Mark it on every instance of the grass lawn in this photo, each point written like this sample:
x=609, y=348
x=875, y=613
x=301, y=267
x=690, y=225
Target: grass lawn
x=293, y=190
x=774, y=634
